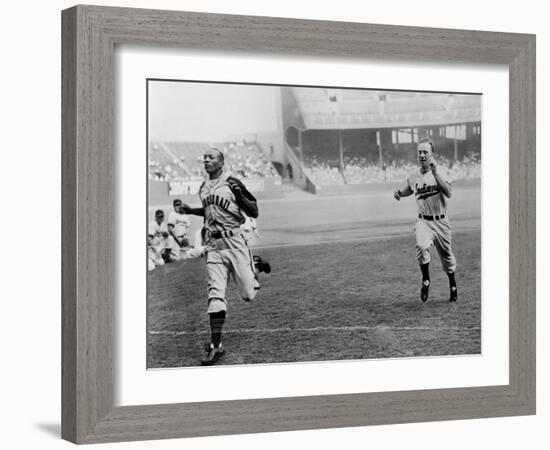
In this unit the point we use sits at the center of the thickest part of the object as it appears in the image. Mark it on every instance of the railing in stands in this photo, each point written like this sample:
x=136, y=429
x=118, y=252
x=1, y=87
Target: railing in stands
x=299, y=176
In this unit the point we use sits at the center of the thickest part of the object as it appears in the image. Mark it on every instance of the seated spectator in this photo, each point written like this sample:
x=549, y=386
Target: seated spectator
x=178, y=244
x=178, y=224
x=154, y=257
x=157, y=235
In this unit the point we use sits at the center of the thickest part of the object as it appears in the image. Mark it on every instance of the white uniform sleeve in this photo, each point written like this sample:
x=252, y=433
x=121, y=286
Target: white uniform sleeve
x=152, y=228
x=172, y=219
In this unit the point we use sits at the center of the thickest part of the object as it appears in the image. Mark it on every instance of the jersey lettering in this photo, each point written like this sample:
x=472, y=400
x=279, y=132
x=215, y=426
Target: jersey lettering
x=216, y=200
x=430, y=200
x=426, y=190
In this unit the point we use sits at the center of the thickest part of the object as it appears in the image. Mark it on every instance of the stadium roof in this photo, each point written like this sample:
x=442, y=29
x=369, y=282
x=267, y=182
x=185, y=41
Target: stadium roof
x=352, y=109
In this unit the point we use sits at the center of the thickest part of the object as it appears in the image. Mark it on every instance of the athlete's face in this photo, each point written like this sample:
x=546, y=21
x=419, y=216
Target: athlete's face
x=424, y=154
x=160, y=218
x=212, y=161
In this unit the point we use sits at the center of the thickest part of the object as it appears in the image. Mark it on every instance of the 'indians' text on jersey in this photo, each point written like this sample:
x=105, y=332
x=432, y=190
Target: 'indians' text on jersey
x=430, y=200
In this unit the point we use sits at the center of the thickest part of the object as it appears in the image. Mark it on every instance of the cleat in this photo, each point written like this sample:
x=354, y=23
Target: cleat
x=454, y=294
x=261, y=265
x=214, y=354
x=257, y=284
x=425, y=290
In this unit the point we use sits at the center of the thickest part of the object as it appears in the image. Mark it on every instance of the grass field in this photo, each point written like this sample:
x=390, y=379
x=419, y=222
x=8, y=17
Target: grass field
x=342, y=287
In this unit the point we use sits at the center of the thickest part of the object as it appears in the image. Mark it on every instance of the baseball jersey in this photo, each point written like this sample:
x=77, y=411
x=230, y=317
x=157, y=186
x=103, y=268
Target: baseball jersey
x=156, y=230
x=430, y=201
x=180, y=222
x=222, y=210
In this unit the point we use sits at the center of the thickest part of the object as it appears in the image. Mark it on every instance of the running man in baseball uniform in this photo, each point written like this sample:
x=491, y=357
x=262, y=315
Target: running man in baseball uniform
x=432, y=187
x=225, y=203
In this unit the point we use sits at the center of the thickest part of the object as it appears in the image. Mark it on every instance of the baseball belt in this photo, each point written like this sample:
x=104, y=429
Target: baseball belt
x=421, y=216
x=224, y=233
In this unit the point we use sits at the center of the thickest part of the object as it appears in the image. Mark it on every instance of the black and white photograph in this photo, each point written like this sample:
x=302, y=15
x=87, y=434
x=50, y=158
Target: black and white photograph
x=182, y=154
x=293, y=224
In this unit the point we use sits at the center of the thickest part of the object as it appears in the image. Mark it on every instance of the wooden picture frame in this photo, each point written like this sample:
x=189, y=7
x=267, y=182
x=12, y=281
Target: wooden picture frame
x=90, y=34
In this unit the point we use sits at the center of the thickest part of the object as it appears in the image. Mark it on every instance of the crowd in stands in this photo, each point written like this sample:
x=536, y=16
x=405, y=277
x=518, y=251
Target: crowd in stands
x=324, y=174
x=160, y=173
x=247, y=160
x=163, y=166
x=467, y=168
x=177, y=160
x=357, y=170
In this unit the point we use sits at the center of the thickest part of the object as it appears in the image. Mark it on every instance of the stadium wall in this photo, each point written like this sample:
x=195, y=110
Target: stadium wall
x=158, y=193
x=379, y=187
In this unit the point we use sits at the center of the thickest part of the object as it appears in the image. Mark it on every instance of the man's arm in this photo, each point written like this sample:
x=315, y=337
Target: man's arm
x=171, y=229
x=403, y=192
x=171, y=225
x=246, y=201
x=443, y=184
x=181, y=242
x=186, y=209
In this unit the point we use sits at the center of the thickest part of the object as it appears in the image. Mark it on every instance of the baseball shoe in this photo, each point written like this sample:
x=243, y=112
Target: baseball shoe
x=454, y=294
x=213, y=355
x=261, y=265
x=425, y=290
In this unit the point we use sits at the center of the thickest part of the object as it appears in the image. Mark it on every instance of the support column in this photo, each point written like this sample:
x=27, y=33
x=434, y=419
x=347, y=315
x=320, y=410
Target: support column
x=341, y=146
x=379, y=143
x=456, y=143
x=300, y=147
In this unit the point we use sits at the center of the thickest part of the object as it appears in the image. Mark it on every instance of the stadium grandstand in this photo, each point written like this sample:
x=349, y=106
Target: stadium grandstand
x=181, y=160
x=338, y=137
x=178, y=167
x=332, y=140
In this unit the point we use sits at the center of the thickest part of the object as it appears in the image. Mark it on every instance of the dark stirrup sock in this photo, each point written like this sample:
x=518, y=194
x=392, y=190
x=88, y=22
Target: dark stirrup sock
x=216, y=324
x=425, y=268
x=452, y=282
